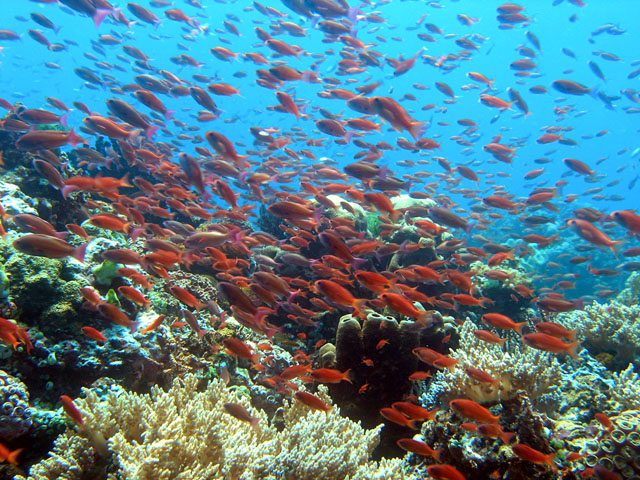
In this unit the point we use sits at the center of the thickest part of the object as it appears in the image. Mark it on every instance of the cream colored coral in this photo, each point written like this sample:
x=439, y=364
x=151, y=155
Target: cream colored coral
x=521, y=368
x=185, y=434
x=610, y=326
x=626, y=388
x=69, y=460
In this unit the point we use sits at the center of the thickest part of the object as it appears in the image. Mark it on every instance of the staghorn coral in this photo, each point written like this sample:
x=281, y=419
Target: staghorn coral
x=626, y=388
x=610, y=327
x=521, y=368
x=186, y=434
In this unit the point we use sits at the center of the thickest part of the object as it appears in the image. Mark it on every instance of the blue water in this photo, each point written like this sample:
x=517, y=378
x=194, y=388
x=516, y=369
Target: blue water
x=614, y=156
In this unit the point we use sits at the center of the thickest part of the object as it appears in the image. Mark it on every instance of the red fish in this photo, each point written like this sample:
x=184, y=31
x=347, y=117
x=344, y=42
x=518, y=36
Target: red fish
x=312, y=401
x=444, y=472
x=10, y=456
x=419, y=448
x=529, y=454
x=51, y=247
x=94, y=334
x=474, y=411
x=548, y=343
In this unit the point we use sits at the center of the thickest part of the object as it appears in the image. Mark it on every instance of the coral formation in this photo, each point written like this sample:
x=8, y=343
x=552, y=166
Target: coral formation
x=185, y=433
x=607, y=328
x=626, y=388
x=517, y=368
x=15, y=412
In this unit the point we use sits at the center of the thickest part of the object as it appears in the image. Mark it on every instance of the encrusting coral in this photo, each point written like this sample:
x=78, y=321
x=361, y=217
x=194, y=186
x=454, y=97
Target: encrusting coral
x=187, y=434
x=519, y=368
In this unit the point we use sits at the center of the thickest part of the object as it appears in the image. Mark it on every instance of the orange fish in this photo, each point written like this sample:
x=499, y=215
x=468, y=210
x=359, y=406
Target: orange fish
x=241, y=413
x=71, y=410
x=395, y=416
x=117, y=316
x=401, y=305
x=94, y=334
x=444, y=472
x=312, y=401
x=186, y=297
x=10, y=456
x=532, y=455
x=51, y=247
x=502, y=321
x=419, y=448
x=548, y=343
x=330, y=375
x=592, y=234
x=473, y=410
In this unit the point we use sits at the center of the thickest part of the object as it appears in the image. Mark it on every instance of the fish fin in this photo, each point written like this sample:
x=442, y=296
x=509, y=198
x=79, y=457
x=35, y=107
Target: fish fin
x=12, y=458
x=347, y=376
x=507, y=437
x=74, y=139
x=151, y=131
x=78, y=252
x=572, y=350
x=100, y=15
x=63, y=120
x=518, y=327
x=417, y=129
x=359, y=305
x=435, y=454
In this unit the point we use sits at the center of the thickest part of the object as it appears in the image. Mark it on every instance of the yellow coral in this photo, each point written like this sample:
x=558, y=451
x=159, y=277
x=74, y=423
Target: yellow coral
x=521, y=368
x=186, y=434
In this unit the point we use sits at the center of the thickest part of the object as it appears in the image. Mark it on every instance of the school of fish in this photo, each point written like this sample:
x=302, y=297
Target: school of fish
x=190, y=182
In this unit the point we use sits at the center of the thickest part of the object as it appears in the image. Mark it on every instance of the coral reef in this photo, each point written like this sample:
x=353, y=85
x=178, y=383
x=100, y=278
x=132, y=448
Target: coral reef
x=611, y=328
x=15, y=412
x=185, y=433
x=71, y=458
x=626, y=388
x=519, y=368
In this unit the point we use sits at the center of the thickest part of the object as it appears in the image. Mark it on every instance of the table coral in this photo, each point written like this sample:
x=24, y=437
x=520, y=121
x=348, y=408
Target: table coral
x=185, y=433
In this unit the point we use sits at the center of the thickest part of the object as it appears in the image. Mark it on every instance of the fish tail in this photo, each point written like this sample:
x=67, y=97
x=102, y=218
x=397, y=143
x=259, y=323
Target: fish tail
x=74, y=139
x=151, y=131
x=133, y=326
x=359, y=305
x=417, y=129
x=347, y=376
x=518, y=327
x=506, y=437
x=78, y=252
x=12, y=458
x=63, y=119
x=168, y=114
x=100, y=15
x=572, y=350
x=435, y=454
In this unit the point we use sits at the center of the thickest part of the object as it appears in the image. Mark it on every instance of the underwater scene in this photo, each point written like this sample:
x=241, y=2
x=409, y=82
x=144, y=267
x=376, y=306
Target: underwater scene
x=319, y=240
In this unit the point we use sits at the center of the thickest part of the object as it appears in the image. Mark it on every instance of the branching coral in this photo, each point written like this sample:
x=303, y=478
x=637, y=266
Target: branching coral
x=611, y=327
x=521, y=368
x=186, y=434
x=70, y=459
x=626, y=388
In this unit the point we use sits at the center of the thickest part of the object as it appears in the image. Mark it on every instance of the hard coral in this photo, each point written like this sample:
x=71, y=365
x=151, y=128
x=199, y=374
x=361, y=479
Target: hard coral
x=519, y=368
x=611, y=327
x=15, y=412
x=185, y=433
